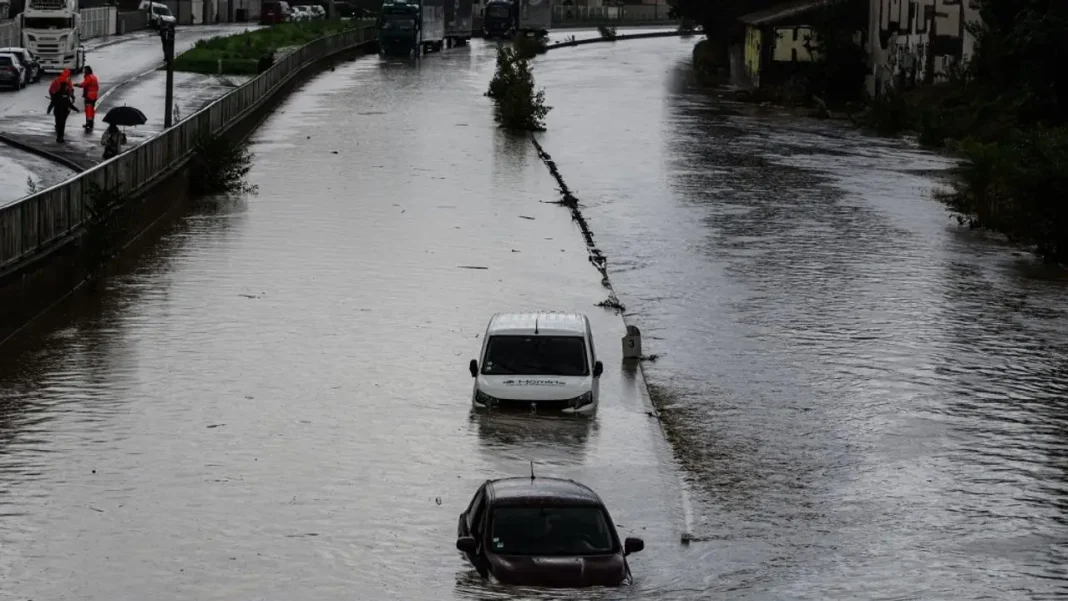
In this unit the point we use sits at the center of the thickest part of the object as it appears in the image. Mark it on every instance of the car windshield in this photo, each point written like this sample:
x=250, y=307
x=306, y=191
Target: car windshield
x=48, y=23
x=544, y=531
x=498, y=11
x=161, y=10
x=535, y=356
x=395, y=23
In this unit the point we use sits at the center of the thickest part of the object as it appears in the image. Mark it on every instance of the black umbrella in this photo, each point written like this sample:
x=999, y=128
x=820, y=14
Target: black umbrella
x=125, y=115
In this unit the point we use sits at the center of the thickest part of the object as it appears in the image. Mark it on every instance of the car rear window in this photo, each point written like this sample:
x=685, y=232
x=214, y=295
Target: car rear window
x=5, y=61
x=551, y=531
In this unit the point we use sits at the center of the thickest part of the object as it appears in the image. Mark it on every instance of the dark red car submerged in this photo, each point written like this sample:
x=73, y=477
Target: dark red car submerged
x=543, y=532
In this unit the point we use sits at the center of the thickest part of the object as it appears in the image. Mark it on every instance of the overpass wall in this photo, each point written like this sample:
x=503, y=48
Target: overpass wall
x=39, y=254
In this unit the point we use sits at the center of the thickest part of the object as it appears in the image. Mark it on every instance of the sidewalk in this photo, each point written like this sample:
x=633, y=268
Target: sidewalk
x=192, y=91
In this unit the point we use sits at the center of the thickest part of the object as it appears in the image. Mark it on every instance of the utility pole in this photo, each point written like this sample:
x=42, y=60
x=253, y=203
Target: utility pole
x=166, y=34
x=331, y=10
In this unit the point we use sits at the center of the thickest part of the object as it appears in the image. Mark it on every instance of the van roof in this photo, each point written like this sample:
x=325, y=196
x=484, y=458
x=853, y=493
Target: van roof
x=548, y=323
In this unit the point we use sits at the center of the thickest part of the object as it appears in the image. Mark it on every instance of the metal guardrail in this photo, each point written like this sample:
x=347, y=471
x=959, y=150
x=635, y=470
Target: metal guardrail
x=36, y=222
x=600, y=14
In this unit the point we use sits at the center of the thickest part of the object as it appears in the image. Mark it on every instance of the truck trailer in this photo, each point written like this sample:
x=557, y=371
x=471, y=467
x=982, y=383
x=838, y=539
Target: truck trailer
x=459, y=21
x=411, y=27
x=51, y=30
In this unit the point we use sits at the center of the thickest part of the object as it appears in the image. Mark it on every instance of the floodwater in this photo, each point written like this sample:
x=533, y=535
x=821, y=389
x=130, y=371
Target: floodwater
x=273, y=402
x=870, y=402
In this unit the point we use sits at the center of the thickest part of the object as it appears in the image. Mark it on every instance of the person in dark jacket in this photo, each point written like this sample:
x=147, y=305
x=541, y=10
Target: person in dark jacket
x=61, y=93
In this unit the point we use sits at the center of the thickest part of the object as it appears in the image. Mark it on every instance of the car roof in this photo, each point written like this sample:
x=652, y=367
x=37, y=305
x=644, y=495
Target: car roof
x=540, y=491
x=548, y=323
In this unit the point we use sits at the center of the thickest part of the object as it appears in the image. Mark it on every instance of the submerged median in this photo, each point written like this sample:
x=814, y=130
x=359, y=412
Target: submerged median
x=249, y=52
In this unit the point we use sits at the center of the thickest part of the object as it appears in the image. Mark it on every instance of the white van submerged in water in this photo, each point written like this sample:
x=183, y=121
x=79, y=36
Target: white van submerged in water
x=540, y=362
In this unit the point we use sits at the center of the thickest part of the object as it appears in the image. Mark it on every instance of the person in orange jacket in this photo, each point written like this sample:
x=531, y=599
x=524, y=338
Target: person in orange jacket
x=90, y=92
x=61, y=82
x=61, y=102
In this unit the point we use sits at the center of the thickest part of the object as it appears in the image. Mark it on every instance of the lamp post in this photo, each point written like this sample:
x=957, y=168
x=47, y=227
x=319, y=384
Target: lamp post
x=166, y=35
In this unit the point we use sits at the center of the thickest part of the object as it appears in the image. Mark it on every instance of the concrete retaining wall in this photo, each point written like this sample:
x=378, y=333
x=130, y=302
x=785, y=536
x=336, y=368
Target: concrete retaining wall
x=38, y=257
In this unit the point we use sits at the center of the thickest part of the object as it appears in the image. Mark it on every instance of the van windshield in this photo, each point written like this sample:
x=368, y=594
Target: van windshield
x=535, y=356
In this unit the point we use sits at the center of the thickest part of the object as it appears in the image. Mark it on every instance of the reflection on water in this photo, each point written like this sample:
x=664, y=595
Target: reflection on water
x=871, y=400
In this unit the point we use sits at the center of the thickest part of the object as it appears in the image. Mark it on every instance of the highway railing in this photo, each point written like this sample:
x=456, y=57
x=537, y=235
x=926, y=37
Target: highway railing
x=50, y=217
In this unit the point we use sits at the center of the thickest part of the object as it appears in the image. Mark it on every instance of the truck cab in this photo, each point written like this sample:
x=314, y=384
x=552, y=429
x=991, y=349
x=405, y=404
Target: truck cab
x=500, y=19
x=51, y=30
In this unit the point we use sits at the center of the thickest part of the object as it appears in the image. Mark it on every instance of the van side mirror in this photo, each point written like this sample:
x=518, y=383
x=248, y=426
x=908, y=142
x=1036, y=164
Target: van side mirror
x=467, y=544
x=473, y=367
x=598, y=369
x=631, y=545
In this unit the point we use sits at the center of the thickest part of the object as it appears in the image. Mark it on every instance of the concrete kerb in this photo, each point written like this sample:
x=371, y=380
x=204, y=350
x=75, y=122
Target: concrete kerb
x=600, y=262
x=41, y=152
x=238, y=129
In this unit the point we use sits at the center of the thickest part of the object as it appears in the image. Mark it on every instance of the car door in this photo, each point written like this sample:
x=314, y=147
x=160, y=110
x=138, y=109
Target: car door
x=478, y=531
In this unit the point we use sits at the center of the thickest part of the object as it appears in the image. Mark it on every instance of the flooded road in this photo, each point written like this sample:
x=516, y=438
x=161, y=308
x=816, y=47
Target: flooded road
x=273, y=402
x=871, y=402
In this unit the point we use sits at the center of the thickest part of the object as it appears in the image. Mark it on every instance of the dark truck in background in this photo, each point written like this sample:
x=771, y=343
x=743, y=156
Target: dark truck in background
x=411, y=28
x=500, y=19
x=459, y=21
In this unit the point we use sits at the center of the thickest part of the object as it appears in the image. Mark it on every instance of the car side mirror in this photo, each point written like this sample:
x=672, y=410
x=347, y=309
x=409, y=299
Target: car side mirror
x=631, y=545
x=598, y=369
x=473, y=367
x=466, y=544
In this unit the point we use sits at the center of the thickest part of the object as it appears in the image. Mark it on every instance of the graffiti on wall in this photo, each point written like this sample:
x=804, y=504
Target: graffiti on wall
x=914, y=33
x=794, y=44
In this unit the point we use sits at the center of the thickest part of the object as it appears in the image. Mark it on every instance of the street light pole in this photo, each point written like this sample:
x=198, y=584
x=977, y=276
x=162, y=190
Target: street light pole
x=166, y=34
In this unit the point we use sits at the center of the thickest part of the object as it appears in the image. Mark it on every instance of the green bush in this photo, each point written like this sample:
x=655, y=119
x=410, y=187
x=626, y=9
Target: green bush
x=1015, y=186
x=608, y=33
x=218, y=166
x=518, y=105
x=239, y=53
x=528, y=47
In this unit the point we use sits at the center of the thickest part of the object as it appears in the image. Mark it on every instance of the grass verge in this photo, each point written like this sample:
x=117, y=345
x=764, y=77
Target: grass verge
x=241, y=54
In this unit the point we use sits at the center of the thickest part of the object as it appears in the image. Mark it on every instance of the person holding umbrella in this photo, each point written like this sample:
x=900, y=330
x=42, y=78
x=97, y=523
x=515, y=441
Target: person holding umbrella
x=113, y=139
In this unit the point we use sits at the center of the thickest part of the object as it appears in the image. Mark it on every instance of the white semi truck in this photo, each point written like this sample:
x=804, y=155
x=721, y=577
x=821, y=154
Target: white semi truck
x=51, y=30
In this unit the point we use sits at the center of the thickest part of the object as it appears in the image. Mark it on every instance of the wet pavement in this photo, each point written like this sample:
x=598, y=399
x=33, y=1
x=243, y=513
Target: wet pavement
x=192, y=92
x=116, y=61
x=18, y=169
x=273, y=401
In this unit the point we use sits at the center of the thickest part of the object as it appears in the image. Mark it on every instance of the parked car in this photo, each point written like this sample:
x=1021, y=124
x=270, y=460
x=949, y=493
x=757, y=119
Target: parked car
x=543, y=532
x=301, y=13
x=157, y=13
x=272, y=13
x=29, y=63
x=12, y=73
x=317, y=11
x=537, y=362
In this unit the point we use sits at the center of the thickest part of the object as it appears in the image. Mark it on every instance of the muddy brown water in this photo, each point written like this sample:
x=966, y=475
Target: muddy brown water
x=870, y=402
x=273, y=402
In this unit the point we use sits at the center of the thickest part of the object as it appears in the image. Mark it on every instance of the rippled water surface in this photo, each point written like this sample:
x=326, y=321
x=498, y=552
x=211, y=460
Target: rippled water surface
x=872, y=403
x=273, y=401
